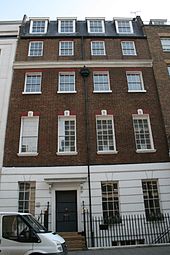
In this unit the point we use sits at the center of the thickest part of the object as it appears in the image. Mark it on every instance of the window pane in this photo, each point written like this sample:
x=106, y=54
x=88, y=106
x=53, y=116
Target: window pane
x=66, y=82
x=66, y=48
x=98, y=48
x=96, y=26
x=38, y=26
x=101, y=82
x=105, y=135
x=142, y=133
x=169, y=70
x=33, y=83
x=128, y=48
x=110, y=201
x=26, y=202
x=67, y=135
x=151, y=199
x=124, y=26
x=67, y=26
x=29, y=134
x=134, y=82
x=35, y=49
x=165, y=44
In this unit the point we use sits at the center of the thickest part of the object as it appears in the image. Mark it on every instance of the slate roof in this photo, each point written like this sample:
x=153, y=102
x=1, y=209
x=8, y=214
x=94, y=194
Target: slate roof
x=81, y=30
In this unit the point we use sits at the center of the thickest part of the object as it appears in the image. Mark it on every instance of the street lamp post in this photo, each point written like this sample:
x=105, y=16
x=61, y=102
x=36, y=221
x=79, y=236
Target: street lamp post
x=85, y=73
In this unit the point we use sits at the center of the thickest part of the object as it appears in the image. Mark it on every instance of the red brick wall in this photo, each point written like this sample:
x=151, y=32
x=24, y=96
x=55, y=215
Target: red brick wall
x=112, y=46
x=49, y=104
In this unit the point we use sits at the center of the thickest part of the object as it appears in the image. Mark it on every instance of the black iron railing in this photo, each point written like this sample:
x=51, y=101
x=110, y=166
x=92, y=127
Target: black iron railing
x=127, y=230
x=43, y=218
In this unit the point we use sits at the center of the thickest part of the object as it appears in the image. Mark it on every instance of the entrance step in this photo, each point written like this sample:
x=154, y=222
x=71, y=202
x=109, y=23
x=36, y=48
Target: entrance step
x=74, y=240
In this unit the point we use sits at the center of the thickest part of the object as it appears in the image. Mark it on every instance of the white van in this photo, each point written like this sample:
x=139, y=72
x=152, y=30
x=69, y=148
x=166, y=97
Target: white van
x=22, y=234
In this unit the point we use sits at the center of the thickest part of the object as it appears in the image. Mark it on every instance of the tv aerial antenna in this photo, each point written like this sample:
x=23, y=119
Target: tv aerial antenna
x=135, y=13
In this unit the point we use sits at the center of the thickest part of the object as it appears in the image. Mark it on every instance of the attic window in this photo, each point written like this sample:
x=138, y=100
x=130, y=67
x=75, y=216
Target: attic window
x=66, y=25
x=38, y=26
x=124, y=26
x=95, y=26
x=158, y=21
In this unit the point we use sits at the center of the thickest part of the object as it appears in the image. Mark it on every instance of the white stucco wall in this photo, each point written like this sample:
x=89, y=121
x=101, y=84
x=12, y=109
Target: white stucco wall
x=7, y=54
x=75, y=178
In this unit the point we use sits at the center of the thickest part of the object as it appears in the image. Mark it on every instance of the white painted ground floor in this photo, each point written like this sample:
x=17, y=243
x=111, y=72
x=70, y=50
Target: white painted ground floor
x=114, y=188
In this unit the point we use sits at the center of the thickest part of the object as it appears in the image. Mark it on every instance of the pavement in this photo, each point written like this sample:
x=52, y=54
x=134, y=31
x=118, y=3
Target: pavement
x=136, y=250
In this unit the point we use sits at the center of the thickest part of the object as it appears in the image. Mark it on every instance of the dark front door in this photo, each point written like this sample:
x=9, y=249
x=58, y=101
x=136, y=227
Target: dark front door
x=66, y=211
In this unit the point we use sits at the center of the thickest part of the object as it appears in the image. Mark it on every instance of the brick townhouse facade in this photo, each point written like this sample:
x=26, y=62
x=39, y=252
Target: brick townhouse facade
x=158, y=36
x=84, y=121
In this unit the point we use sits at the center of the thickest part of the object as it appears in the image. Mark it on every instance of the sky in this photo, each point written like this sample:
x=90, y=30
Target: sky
x=147, y=9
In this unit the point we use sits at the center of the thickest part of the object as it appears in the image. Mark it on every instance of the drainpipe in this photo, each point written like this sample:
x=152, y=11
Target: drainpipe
x=85, y=73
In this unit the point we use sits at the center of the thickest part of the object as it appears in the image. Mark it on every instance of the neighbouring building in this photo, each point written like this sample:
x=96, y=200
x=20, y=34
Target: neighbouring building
x=85, y=125
x=8, y=40
x=158, y=35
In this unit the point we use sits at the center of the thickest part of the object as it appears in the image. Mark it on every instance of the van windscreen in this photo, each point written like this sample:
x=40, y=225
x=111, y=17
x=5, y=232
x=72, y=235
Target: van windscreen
x=34, y=224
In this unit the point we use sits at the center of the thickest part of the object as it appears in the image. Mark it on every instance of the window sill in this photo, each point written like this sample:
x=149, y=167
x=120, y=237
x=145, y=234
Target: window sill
x=27, y=154
x=34, y=56
x=125, y=33
x=90, y=32
x=38, y=33
x=67, y=92
x=137, y=91
x=130, y=55
x=102, y=91
x=66, y=55
x=146, y=151
x=66, y=153
x=98, y=55
x=107, y=152
x=31, y=93
x=67, y=33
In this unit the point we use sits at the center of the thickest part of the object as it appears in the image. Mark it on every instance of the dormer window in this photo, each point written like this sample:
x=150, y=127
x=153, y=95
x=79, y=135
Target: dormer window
x=124, y=26
x=158, y=22
x=95, y=26
x=66, y=25
x=38, y=26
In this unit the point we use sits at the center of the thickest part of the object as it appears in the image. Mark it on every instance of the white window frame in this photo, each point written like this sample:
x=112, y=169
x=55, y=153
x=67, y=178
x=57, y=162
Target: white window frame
x=144, y=149
x=128, y=52
x=25, y=83
x=152, y=196
x=59, y=81
x=36, y=20
x=63, y=119
x=138, y=73
x=101, y=73
x=28, y=153
x=158, y=22
x=68, y=49
x=168, y=67
x=102, y=25
x=30, y=201
x=99, y=49
x=73, y=20
x=110, y=215
x=118, y=28
x=102, y=118
x=34, y=55
x=165, y=47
